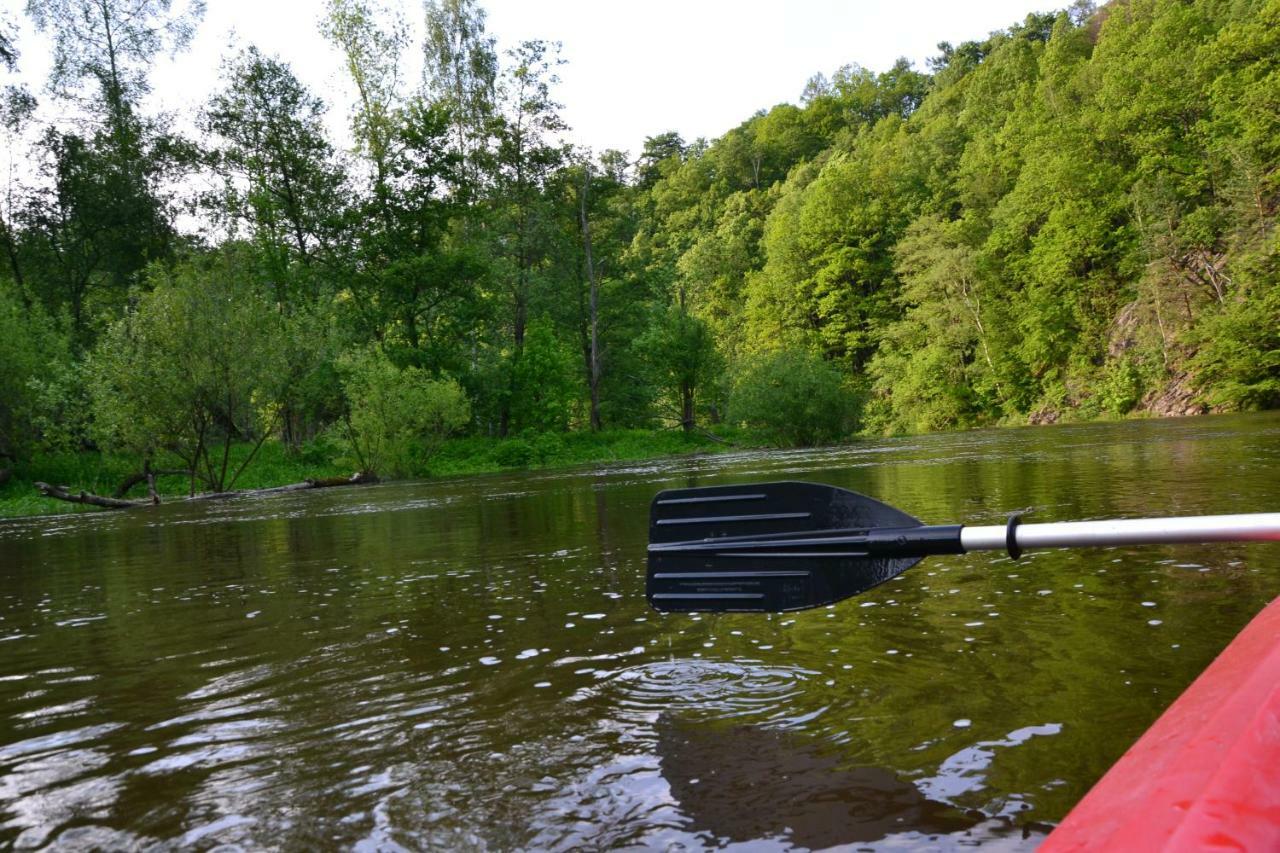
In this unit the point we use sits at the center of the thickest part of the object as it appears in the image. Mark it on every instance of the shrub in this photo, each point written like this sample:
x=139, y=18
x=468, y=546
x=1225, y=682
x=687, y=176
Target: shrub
x=396, y=417
x=514, y=453
x=795, y=398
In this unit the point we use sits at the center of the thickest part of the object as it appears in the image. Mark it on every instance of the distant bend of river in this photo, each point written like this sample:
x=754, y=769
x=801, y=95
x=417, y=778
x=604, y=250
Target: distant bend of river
x=470, y=663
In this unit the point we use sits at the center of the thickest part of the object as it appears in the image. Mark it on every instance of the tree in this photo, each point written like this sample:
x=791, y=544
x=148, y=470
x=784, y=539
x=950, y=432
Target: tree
x=682, y=356
x=111, y=43
x=372, y=54
x=664, y=151
x=278, y=165
x=936, y=367
x=192, y=369
x=460, y=71
x=545, y=384
x=92, y=227
x=101, y=216
x=31, y=348
x=526, y=156
x=794, y=398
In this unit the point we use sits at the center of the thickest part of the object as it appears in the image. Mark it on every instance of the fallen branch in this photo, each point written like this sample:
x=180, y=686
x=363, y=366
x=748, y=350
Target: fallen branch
x=63, y=493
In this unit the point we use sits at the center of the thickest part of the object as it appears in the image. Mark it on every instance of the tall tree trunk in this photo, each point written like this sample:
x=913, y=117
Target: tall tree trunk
x=593, y=370
x=686, y=406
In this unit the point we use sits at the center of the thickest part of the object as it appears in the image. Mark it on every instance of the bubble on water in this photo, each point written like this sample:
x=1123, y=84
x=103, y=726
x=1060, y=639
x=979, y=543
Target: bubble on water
x=542, y=684
x=593, y=616
x=974, y=624
x=1044, y=592
x=490, y=660
x=569, y=625
x=891, y=652
x=1148, y=604
x=1154, y=622
x=962, y=723
x=526, y=654
x=495, y=616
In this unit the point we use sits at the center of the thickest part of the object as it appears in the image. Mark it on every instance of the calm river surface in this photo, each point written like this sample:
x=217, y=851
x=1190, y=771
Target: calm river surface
x=470, y=663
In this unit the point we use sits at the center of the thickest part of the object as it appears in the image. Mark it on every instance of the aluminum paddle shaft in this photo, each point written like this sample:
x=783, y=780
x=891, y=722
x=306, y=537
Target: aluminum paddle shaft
x=1254, y=527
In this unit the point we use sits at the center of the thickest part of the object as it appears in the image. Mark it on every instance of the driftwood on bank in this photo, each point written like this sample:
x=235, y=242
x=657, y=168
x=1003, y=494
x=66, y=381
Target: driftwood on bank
x=64, y=493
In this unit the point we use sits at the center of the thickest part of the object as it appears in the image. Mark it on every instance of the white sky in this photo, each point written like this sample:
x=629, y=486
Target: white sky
x=699, y=67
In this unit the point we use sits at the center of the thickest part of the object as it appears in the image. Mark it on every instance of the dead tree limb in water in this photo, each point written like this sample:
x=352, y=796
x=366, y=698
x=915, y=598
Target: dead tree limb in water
x=63, y=493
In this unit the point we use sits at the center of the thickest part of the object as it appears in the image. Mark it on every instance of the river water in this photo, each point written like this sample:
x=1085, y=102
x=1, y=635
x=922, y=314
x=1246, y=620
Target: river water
x=470, y=663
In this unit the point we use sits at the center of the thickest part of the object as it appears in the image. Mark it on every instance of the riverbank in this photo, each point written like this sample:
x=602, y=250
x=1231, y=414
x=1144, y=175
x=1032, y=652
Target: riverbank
x=274, y=465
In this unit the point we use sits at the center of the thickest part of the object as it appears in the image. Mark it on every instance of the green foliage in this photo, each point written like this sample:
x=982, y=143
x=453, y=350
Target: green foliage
x=545, y=382
x=795, y=399
x=682, y=358
x=514, y=453
x=195, y=365
x=31, y=350
x=1238, y=363
x=397, y=417
x=1121, y=387
x=1073, y=217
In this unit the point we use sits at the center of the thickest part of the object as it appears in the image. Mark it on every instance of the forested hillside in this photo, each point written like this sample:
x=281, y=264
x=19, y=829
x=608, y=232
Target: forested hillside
x=1073, y=218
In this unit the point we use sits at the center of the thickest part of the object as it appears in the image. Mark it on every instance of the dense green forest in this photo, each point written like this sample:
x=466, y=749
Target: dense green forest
x=1073, y=218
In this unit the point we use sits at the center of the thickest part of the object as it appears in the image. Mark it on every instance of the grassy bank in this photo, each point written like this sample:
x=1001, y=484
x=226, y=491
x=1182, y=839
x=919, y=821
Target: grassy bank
x=275, y=466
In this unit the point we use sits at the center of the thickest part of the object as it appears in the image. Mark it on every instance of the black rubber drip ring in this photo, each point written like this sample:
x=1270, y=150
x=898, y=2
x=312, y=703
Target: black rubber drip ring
x=1011, y=536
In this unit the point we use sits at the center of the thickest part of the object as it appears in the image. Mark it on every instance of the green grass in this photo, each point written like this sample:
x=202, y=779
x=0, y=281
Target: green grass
x=276, y=466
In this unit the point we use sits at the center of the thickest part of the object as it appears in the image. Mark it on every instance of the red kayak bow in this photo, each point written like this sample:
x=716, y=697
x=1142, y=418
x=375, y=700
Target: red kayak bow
x=1206, y=775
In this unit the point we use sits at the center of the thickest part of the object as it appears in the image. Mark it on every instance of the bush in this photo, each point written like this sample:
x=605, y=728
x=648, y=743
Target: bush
x=397, y=417
x=1121, y=387
x=795, y=398
x=514, y=453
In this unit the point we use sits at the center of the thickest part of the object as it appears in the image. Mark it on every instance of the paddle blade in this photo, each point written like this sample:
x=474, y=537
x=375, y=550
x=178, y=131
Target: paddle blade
x=765, y=547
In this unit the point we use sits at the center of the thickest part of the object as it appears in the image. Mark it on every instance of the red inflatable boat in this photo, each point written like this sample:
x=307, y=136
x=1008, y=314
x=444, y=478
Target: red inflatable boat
x=1206, y=775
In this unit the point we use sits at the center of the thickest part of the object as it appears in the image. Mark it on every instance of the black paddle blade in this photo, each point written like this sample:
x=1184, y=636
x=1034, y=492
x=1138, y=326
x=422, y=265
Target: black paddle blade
x=766, y=547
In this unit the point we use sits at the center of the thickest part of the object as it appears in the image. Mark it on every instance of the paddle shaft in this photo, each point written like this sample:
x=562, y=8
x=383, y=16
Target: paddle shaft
x=924, y=540
x=1253, y=527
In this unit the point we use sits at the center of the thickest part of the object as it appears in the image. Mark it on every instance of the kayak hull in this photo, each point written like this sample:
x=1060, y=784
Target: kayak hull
x=1207, y=772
